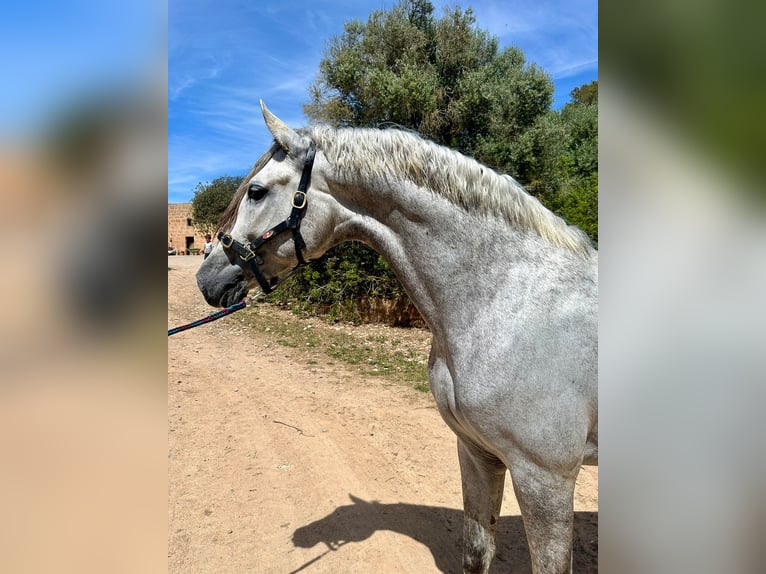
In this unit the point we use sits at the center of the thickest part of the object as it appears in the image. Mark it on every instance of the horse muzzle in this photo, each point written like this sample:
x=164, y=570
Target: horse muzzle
x=221, y=283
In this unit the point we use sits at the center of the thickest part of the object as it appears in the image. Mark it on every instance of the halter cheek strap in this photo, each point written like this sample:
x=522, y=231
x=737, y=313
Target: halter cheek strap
x=246, y=255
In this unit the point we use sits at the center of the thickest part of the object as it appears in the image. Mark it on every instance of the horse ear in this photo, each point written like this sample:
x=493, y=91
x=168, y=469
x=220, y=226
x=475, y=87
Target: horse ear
x=284, y=135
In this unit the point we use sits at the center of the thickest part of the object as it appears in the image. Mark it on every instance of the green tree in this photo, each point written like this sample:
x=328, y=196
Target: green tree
x=211, y=200
x=443, y=77
x=542, y=157
x=582, y=122
x=585, y=94
x=579, y=206
x=558, y=152
x=558, y=157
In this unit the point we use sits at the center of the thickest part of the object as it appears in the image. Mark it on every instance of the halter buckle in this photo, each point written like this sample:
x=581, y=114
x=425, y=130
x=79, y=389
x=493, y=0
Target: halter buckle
x=299, y=196
x=226, y=240
x=246, y=254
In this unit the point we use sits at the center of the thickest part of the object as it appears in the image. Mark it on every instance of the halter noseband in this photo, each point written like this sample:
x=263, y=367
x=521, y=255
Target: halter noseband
x=245, y=254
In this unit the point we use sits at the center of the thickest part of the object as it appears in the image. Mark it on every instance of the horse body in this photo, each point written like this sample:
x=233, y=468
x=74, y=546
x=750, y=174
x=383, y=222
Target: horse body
x=508, y=292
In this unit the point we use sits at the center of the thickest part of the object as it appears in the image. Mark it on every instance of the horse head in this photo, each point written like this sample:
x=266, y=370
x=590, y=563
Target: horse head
x=280, y=217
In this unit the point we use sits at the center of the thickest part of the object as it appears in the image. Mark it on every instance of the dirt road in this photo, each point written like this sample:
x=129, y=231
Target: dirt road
x=282, y=461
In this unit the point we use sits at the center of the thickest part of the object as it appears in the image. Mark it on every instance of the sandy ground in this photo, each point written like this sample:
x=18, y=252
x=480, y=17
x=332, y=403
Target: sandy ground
x=279, y=462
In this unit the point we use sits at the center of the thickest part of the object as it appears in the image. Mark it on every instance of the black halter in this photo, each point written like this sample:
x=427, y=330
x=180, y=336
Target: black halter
x=245, y=254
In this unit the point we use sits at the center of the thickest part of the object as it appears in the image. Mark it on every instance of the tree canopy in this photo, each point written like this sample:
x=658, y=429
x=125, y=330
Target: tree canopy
x=211, y=200
x=443, y=77
x=585, y=94
x=448, y=80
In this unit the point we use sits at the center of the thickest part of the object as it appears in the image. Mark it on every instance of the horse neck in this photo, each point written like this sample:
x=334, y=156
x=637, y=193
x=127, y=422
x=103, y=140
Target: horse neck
x=445, y=257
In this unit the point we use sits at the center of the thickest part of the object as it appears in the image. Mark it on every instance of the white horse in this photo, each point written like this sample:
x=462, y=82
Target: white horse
x=508, y=290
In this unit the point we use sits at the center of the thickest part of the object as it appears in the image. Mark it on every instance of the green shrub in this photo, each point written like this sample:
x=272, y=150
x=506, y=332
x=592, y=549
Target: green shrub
x=335, y=284
x=580, y=206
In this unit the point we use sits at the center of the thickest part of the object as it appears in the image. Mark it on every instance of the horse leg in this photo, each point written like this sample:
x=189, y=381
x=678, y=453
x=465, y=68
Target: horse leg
x=546, y=500
x=483, y=476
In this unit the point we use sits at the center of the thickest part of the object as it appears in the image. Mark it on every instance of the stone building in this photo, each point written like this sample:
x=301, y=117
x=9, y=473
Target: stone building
x=181, y=232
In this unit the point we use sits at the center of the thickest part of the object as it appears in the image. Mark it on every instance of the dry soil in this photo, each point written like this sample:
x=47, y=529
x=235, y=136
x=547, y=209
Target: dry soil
x=283, y=460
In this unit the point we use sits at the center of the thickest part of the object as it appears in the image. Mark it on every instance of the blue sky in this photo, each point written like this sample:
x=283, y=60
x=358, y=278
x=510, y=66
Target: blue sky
x=224, y=55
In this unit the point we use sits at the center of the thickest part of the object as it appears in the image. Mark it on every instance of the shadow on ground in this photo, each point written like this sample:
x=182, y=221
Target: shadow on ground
x=440, y=530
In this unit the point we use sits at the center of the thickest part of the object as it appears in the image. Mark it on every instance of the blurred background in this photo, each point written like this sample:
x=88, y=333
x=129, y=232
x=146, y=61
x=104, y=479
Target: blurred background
x=83, y=176
x=83, y=164
x=682, y=283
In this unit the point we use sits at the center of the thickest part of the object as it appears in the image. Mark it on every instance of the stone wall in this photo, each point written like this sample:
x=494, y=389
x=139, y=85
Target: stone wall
x=181, y=233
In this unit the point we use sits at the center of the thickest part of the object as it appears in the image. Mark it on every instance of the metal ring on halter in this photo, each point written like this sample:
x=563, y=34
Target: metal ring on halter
x=226, y=240
x=304, y=198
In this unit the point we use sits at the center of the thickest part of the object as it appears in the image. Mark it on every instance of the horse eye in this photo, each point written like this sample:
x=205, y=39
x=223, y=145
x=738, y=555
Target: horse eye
x=256, y=191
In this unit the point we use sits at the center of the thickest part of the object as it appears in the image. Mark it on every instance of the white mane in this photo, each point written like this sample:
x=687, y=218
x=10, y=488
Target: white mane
x=380, y=155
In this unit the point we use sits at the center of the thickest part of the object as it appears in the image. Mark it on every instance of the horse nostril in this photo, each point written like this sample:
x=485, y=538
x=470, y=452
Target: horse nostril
x=233, y=293
x=220, y=284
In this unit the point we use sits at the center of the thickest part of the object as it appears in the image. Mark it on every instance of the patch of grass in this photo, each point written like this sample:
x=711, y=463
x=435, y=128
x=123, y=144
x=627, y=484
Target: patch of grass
x=349, y=352
x=371, y=354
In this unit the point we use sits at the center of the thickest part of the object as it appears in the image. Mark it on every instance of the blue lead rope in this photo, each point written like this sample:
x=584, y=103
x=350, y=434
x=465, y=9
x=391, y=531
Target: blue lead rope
x=209, y=319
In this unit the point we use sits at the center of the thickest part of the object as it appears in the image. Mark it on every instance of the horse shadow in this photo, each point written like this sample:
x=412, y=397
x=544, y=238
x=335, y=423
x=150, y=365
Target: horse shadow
x=440, y=530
